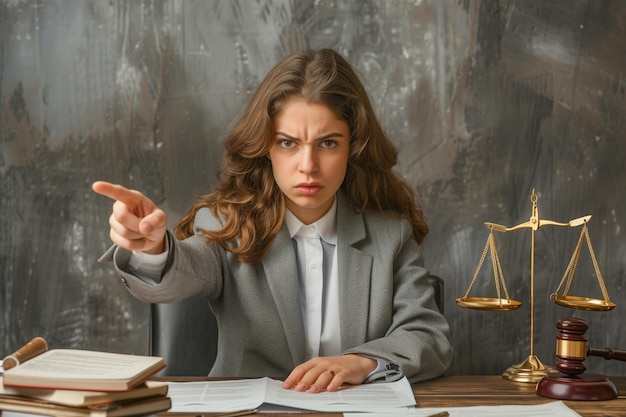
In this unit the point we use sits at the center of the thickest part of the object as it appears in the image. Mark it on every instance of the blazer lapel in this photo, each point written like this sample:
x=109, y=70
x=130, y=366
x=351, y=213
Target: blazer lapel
x=355, y=272
x=281, y=271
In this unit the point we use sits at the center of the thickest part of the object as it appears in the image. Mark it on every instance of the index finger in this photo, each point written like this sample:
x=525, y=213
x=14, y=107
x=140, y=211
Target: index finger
x=114, y=191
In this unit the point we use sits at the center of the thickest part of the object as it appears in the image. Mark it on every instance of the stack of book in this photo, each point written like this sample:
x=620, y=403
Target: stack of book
x=77, y=383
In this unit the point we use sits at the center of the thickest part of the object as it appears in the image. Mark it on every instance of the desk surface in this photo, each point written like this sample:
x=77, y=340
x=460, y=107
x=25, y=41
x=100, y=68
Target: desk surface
x=468, y=390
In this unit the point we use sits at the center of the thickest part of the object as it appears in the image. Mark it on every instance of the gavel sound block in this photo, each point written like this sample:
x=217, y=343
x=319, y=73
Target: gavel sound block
x=571, y=383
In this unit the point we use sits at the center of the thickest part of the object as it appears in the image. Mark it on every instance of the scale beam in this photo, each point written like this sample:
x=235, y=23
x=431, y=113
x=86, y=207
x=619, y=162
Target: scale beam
x=539, y=223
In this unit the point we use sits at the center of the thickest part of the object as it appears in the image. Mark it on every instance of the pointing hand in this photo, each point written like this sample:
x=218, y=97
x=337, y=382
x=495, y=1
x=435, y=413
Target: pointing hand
x=136, y=222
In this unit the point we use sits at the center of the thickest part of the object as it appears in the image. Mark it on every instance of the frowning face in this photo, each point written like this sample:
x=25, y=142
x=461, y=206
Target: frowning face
x=309, y=157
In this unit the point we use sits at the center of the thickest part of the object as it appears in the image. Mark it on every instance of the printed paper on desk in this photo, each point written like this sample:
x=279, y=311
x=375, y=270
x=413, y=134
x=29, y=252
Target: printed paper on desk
x=233, y=395
x=552, y=409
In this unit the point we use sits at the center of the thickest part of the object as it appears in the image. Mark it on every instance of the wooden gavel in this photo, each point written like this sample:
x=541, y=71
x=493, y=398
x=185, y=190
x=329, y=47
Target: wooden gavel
x=572, y=349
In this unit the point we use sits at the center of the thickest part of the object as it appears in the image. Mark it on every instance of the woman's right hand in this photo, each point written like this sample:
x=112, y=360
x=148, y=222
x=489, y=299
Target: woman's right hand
x=136, y=222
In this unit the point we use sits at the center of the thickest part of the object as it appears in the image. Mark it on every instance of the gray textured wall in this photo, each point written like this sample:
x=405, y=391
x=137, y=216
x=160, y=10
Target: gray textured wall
x=485, y=100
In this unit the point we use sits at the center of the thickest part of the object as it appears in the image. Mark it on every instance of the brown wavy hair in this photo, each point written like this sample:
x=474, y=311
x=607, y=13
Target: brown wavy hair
x=248, y=199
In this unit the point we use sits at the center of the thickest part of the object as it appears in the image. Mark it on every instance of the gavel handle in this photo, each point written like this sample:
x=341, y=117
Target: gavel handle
x=607, y=353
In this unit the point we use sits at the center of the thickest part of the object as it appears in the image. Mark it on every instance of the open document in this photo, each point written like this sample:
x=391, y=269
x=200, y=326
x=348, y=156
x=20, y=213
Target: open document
x=245, y=394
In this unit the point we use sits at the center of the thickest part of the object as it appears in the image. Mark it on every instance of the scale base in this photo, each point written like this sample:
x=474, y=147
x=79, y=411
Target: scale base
x=584, y=387
x=529, y=371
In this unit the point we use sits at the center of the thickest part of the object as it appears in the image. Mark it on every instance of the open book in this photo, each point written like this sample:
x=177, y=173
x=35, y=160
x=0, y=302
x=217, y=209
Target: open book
x=84, y=370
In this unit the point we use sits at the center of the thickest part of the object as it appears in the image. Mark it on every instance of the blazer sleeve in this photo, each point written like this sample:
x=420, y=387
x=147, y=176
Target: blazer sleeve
x=417, y=341
x=193, y=269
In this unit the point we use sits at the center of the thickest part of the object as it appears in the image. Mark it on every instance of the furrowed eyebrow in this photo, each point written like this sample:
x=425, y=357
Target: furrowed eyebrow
x=286, y=135
x=321, y=138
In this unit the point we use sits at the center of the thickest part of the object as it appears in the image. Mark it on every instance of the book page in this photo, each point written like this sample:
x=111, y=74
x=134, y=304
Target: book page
x=81, y=364
x=83, y=370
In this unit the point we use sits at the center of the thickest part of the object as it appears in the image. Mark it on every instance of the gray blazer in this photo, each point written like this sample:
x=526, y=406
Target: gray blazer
x=387, y=306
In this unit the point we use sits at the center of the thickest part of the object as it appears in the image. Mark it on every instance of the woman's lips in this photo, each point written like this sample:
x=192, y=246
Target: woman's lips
x=308, y=189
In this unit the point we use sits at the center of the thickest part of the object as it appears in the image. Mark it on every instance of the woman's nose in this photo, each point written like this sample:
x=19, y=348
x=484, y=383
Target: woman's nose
x=308, y=159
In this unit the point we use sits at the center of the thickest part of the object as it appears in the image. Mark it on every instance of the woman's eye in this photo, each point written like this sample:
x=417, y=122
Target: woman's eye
x=286, y=143
x=328, y=144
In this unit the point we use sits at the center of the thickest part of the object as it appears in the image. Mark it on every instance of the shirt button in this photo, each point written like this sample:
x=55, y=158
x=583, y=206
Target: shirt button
x=313, y=266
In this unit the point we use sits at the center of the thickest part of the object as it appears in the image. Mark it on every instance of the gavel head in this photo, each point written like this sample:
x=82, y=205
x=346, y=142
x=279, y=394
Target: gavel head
x=571, y=346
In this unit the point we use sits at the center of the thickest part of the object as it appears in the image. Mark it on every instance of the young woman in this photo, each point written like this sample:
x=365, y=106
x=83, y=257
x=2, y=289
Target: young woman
x=308, y=249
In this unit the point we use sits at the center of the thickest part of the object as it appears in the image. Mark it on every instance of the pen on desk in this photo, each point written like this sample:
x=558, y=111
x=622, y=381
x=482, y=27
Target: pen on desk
x=441, y=414
x=29, y=350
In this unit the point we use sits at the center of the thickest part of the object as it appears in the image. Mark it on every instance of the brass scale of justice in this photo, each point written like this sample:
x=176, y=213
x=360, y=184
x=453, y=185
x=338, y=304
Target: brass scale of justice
x=532, y=370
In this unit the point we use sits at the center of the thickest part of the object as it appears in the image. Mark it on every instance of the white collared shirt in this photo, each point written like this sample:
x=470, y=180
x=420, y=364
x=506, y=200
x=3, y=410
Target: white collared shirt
x=316, y=253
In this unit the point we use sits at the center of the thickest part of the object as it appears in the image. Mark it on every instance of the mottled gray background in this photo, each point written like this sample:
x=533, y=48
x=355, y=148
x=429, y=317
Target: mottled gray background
x=485, y=100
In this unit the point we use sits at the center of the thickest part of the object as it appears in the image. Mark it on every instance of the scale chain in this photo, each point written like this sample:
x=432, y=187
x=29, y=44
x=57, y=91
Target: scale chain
x=573, y=263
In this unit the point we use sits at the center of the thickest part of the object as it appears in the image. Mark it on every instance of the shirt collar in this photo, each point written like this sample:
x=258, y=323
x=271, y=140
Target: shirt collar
x=326, y=226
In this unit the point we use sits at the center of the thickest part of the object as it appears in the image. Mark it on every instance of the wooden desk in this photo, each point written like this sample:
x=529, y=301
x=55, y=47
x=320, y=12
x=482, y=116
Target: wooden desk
x=468, y=390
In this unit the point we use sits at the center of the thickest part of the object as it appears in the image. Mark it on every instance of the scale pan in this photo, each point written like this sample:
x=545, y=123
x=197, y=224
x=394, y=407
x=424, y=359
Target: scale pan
x=583, y=303
x=492, y=304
